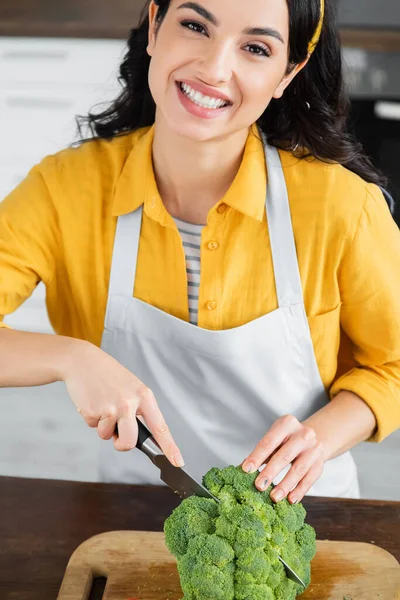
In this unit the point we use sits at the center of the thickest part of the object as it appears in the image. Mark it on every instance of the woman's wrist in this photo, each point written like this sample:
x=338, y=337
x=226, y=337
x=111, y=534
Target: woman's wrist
x=342, y=424
x=69, y=352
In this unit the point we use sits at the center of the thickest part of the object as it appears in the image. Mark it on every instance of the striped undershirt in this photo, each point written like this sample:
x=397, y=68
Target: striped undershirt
x=191, y=239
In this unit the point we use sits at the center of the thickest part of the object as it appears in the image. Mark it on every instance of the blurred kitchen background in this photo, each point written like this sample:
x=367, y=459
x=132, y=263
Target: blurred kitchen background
x=58, y=59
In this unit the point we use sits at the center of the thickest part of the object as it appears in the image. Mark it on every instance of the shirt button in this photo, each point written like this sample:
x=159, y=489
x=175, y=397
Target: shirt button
x=211, y=305
x=221, y=208
x=212, y=245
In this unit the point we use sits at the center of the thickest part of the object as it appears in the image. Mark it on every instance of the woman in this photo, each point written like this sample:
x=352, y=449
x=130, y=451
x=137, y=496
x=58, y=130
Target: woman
x=287, y=350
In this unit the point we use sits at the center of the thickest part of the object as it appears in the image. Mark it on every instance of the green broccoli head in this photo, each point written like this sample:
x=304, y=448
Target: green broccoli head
x=230, y=550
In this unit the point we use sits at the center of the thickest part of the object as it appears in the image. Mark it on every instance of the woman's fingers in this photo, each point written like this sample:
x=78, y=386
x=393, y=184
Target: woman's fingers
x=298, y=443
x=279, y=432
x=127, y=433
x=305, y=470
x=314, y=473
x=155, y=421
x=91, y=421
x=106, y=427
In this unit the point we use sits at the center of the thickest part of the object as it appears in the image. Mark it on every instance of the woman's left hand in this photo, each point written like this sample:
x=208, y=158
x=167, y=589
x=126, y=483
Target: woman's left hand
x=288, y=441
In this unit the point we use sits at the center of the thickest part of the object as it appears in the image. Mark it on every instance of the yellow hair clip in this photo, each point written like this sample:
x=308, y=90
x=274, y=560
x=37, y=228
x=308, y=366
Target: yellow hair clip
x=312, y=45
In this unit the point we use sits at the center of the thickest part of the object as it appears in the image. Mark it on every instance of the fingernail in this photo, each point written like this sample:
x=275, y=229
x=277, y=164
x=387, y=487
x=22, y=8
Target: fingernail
x=278, y=495
x=178, y=460
x=249, y=468
x=264, y=484
x=294, y=500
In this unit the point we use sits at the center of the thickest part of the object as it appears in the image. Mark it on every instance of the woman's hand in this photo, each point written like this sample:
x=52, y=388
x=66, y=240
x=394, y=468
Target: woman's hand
x=106, y=394
x=287, y=442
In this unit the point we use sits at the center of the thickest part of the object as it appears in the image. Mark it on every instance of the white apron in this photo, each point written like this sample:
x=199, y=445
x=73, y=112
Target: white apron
x=219, y=391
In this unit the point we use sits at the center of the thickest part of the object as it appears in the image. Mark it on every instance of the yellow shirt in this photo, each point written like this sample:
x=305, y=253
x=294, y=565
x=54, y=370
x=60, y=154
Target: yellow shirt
x=58, y=226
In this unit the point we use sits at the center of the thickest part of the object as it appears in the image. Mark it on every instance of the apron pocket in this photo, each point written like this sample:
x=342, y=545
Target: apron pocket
x=325, y=335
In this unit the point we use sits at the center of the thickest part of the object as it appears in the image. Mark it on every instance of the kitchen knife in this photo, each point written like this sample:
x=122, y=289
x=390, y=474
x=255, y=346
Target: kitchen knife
x=180, y=481
x=176, y=478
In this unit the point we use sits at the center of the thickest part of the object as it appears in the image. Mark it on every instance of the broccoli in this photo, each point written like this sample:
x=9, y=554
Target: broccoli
x=230, y=550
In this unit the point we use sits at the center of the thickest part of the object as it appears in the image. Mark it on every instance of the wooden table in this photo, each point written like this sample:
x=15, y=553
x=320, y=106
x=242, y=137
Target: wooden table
x=43, y=521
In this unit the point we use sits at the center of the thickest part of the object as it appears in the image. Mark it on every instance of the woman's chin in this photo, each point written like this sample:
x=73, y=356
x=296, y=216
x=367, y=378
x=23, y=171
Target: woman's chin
x=197, y=132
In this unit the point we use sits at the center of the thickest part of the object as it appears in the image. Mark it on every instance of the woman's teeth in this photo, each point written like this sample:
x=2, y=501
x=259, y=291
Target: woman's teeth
x=200, y=100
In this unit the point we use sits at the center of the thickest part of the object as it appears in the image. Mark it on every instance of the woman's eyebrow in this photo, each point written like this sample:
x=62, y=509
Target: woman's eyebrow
x=203, y=12
x=267, y=31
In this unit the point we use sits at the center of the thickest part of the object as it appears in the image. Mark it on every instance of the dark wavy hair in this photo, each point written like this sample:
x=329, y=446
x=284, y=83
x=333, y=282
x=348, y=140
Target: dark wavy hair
x=313, y=113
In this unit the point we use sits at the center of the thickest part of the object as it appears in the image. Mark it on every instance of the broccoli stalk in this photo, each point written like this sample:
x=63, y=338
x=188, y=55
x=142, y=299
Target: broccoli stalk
x=230, y=550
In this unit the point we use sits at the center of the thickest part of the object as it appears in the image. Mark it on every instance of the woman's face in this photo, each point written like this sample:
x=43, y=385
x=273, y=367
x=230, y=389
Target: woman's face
x=216, y=64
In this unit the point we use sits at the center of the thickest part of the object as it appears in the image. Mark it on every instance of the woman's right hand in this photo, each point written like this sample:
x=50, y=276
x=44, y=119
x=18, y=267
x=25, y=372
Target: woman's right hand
x=106, y=394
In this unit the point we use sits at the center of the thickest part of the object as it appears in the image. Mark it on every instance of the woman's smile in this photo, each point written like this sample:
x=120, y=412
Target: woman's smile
x=200, y=105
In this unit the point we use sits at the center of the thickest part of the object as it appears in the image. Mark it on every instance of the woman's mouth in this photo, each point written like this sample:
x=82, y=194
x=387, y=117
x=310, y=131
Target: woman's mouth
x=202, y=101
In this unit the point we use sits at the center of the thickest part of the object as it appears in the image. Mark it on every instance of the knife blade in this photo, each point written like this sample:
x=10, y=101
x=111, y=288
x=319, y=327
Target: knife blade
x=180, y=481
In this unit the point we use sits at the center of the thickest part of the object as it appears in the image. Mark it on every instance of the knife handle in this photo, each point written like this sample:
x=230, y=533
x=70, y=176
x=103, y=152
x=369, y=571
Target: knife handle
x=143, y=433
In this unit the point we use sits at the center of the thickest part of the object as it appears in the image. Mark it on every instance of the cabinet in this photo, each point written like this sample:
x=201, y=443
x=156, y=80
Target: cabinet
x=44, y=84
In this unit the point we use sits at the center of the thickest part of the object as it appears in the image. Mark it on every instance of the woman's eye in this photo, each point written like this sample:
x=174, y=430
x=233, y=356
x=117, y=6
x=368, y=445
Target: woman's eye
x=258, y=50
x=193, y=26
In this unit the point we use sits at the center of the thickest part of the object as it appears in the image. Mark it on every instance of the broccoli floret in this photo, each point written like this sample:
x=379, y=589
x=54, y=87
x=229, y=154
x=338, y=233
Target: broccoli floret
x=275, y=576
x=207, y=565
x=210, y=583
x=250, y=529
x=230, y=550
x=226, y=528
x=291, y=515
x=213, y=481
x=254, y=563
x=287, y=590
x=191, y=518
x=279, y=534
x=291, y=554
x=306, y=537
x=211, y=550
x=254, y=592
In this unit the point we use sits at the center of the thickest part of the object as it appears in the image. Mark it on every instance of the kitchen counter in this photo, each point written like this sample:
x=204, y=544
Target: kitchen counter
x=43, y=521
x=104, y=19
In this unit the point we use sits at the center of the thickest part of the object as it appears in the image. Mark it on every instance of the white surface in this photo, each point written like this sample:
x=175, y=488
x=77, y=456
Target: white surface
x=388, y=110
x=58, y=61
x=44, y=84
x=38, y=122
x=42, y=435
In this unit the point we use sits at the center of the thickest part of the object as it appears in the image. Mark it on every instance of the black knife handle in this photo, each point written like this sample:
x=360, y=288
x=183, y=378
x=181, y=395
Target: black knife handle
x=143, y=433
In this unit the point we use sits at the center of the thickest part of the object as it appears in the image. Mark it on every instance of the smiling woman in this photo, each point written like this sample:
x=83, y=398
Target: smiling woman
x=226, y=243
x=251, y=59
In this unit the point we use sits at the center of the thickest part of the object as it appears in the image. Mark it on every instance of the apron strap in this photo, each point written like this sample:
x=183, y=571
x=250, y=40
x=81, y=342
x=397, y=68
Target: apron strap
x=124, y=259
x=283, y=247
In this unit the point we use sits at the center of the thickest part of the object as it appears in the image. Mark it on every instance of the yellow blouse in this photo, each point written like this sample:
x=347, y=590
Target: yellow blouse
x=58, y=226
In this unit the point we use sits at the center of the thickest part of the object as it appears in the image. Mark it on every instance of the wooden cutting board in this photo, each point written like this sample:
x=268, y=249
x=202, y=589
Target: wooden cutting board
x=137, y=564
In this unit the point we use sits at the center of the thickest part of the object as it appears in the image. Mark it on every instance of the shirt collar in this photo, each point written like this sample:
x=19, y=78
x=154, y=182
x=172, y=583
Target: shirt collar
x=248, y=191
x=137, y=185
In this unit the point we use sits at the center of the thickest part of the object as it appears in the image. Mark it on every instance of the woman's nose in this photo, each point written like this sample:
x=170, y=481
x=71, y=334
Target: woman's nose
x=216, y=65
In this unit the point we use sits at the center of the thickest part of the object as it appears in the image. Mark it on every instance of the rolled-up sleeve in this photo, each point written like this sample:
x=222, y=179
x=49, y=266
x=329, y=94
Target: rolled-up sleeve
x=28, y=241
x=369, y=282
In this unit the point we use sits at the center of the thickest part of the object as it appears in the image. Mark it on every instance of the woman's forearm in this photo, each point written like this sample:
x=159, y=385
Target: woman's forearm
x=30, y=359
x=342, y=424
